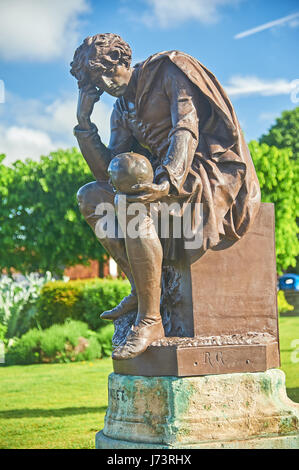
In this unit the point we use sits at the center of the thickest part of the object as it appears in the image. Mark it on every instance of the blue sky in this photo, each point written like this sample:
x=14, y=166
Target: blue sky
x=250, y=45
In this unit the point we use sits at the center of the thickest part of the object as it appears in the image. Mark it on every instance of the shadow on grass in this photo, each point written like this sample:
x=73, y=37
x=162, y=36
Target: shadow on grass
x=293, y=394
x=51, y=412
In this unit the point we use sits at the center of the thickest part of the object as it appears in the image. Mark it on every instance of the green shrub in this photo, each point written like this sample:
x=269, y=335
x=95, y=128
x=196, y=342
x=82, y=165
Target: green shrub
x=105, y=338
x=58, y=301
x=72, y=341
x=25, y=350
x=80, y=300
x=100, y=296
x=3, y=330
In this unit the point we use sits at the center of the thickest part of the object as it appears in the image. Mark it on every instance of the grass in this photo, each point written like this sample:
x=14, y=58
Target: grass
x=53, y=406
x=288, y=332
x=62, y=406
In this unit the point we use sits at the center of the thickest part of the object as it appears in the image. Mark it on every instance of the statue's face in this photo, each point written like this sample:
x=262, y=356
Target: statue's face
x=115, y=82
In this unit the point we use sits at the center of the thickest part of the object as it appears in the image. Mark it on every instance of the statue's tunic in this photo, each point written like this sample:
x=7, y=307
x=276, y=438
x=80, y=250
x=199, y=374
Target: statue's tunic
x=176, y=93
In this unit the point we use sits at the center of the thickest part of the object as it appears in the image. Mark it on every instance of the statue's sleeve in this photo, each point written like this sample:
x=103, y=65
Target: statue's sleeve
x=121, y=137
x=184, y=135
x=96, y=154
x=94, y=151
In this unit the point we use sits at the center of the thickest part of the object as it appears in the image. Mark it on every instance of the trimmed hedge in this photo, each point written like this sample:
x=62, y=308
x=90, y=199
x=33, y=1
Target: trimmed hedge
x=70, y=342
x=80, y=300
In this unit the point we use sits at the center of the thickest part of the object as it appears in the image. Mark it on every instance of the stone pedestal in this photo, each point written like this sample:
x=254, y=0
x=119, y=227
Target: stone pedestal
x=240, y=410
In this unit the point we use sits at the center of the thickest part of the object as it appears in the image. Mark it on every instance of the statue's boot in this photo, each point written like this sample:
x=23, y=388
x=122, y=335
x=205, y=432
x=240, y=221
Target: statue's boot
x=145, y=256
x=116, y=248
x=128, y=304
x=141, y=336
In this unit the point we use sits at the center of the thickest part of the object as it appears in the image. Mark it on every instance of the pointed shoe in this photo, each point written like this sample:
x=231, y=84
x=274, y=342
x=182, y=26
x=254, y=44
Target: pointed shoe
x=126, y=305
x=140, y=338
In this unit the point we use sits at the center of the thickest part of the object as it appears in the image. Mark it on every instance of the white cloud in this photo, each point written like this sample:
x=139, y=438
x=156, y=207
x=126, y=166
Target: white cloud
x=250, y=85
x=39, y=30
x=59, y=117
x=167, y=13
x=294, y=23
x=19, y=143
x=2, y=91
x=292, y=20
x=268, y=116
x=35, y=129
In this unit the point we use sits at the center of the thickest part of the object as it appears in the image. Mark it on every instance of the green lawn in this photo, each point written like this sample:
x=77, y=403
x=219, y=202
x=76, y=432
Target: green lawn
x=53, y=406
x=288, y=332
x=63, y=405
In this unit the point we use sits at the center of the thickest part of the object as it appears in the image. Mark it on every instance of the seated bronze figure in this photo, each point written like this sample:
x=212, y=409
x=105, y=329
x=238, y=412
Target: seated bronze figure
x=172, y=110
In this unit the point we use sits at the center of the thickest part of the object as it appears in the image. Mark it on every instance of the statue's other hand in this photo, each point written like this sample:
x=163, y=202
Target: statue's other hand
x=149, y=192
x=88, y=96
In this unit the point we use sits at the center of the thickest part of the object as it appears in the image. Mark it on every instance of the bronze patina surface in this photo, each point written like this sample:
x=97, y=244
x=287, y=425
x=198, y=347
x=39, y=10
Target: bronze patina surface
x=200, y=360
x=218, y=322
x=172, y=110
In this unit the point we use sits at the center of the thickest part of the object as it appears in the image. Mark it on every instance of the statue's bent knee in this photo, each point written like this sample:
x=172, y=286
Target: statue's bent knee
x=87, y=198
x=90, y=197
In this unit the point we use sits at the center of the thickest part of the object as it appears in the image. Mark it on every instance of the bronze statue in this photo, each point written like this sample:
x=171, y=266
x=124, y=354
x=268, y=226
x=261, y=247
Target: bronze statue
x=173, y=111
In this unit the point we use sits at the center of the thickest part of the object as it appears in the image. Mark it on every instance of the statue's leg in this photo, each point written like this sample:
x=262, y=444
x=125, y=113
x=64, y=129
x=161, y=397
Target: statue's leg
x=145, y=255
x=89, y=197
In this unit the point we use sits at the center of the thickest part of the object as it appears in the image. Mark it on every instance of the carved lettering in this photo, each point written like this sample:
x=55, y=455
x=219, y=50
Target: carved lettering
x=118, y=395
x=208, y=358
x=219, y=357
x=214, y=358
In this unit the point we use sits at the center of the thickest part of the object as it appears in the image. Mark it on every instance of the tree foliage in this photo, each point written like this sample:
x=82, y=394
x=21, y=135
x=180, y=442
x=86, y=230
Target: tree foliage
x=277, y=172
x=41, y=228
x=285, y=132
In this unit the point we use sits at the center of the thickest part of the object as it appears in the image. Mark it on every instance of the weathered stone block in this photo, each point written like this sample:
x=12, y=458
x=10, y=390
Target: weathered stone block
x=241, y=410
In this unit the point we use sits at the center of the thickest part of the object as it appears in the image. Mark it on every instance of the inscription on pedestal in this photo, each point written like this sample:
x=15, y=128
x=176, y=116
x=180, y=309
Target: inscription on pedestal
x=119, y=394
x=212, y=359
x=200, y=360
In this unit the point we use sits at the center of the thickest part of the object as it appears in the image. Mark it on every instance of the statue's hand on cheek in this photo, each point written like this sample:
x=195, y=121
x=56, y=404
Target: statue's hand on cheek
x=88, y=96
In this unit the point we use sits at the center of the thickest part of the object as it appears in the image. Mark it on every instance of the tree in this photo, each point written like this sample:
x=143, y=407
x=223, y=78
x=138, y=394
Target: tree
x=6, y=178
x=277, y=172
x=41, y=228
x=284, y=133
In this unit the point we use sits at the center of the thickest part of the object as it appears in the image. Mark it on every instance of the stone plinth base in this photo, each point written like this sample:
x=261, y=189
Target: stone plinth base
x=186, y=358
x=241, y=410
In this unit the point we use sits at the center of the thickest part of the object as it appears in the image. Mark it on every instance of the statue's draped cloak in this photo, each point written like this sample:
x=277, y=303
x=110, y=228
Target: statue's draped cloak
x=221, y=175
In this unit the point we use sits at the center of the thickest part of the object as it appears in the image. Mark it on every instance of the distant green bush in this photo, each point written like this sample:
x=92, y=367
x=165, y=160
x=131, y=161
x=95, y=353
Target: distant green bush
x=3, y=330
x=70, y=342
x=100, y=296
x=104, y=336
x=282, y=303
x=80, y=300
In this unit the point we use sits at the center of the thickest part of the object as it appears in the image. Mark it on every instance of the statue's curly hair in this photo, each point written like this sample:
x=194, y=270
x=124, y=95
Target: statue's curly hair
x=101, y=52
